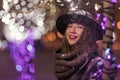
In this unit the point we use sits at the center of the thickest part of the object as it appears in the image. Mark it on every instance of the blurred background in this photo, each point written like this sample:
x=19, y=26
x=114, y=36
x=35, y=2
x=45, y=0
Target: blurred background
x=28, y=36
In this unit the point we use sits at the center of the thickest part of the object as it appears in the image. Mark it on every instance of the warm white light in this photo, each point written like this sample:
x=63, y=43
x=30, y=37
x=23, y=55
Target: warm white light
x=21, y=28
x=114, y=37
x=40, y=22
x=36, y=1
x=41, y=1
x=21, y=21
x=71, y=4
x=12, y=21
x=5, y=5
x=24, y=9
x=30, y=5
x=28, y=23
x=15, y=1
x=18, y=36
x=12, y=33
x=13, y=14
x=17, y=7
x=61, y=4
x=20, y=15
x=11, y=27
x=119, y=8
x=2, y=12
x=6, y=19
x=87, y=3
x=73, y=9
x=9, y=0
x=69, y=0
x=97, y=7
x=23, y=3
x=8, y=16
x=58, y=0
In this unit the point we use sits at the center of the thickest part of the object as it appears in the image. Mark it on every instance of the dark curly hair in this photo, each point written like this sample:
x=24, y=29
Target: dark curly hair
x=64, y=19
x=91, y=33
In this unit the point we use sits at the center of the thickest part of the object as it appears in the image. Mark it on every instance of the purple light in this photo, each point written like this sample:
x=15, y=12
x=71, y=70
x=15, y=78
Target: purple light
x=20, y=61
x=118, y=66
x=113, y=24
x=25, y=76
x=29, y=47
x=32, y=70
x=105, y=19
x=102, y=24
x=100, y=70
x=109, y=57
x=103, y=27
x=98, y=16
x=18, y=68
x=107, y=51
x=114, y=1
x=95, y=74
x=26, y=58
x=23, y=54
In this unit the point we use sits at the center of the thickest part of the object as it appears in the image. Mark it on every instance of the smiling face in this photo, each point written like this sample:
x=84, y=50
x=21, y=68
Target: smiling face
x=73, y=32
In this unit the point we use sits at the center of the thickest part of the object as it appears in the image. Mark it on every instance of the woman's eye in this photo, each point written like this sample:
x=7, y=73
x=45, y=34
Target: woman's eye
x=80, y=27
x=69, y=26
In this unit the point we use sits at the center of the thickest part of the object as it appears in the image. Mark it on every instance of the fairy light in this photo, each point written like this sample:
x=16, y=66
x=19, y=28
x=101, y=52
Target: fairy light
x=25, y=11
x=118, y=66
x=69, y=0
x=107, y=51
x=118, y=24
x=23, y=3
x=5, y=5
x=18, y=68
x=98, y=16
x=103, y=26
x=25, y=21
x=29, y=47
x=97, y=7
x=105, y=19
x=113, y=1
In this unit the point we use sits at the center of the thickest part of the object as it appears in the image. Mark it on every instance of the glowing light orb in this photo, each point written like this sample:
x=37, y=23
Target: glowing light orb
x=118, y=25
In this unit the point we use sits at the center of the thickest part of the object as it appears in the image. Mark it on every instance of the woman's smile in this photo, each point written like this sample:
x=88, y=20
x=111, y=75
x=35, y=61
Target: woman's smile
x=72, y=37
x=73, y=32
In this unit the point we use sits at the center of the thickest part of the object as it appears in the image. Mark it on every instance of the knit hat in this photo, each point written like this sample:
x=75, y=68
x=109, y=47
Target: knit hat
x=86, y=20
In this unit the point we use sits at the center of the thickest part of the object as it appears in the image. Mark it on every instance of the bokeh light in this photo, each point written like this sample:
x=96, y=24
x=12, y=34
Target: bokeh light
x=51, y=36
x=118, y=24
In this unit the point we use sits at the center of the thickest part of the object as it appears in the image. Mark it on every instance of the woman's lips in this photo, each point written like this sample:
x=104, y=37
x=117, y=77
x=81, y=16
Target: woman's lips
x=72, y=37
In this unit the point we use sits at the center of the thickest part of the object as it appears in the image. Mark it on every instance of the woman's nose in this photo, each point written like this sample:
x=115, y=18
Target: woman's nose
x=73, y=29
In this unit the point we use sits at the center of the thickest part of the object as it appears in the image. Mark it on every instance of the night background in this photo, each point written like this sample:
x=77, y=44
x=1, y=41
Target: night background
x=28, y=36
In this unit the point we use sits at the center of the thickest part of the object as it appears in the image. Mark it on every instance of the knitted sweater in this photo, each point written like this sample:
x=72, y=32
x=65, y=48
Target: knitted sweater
x=76, y=66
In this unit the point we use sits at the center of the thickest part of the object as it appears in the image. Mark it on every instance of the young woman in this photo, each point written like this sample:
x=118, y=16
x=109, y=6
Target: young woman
x=78, y=58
